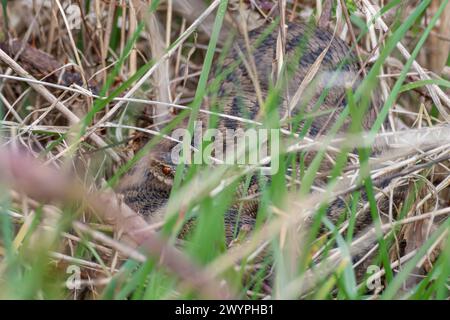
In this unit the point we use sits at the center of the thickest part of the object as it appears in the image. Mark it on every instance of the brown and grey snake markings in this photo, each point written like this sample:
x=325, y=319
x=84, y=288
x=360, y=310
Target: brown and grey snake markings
x=146, y=188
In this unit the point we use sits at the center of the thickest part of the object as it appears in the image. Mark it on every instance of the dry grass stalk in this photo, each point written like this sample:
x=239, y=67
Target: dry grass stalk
x=23, y=173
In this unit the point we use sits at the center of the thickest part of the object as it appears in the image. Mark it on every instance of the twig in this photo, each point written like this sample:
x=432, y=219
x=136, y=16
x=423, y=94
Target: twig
x=26, y=174
x=325, y=17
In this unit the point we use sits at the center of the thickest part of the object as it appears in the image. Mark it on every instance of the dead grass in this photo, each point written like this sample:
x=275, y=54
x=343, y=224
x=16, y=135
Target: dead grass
x=47, y=121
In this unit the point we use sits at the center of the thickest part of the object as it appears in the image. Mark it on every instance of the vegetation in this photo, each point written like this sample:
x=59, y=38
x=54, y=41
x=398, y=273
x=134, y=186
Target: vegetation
x=69, y=238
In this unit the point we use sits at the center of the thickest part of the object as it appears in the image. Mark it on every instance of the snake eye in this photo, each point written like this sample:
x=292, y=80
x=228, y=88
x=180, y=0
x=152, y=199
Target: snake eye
x=166, y=170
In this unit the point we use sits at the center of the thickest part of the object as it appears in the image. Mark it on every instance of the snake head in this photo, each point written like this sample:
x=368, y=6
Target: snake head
x=159, y=168
x=156, y=170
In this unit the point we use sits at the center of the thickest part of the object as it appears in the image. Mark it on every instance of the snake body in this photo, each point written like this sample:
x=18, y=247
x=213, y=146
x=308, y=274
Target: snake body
x=316, y=61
